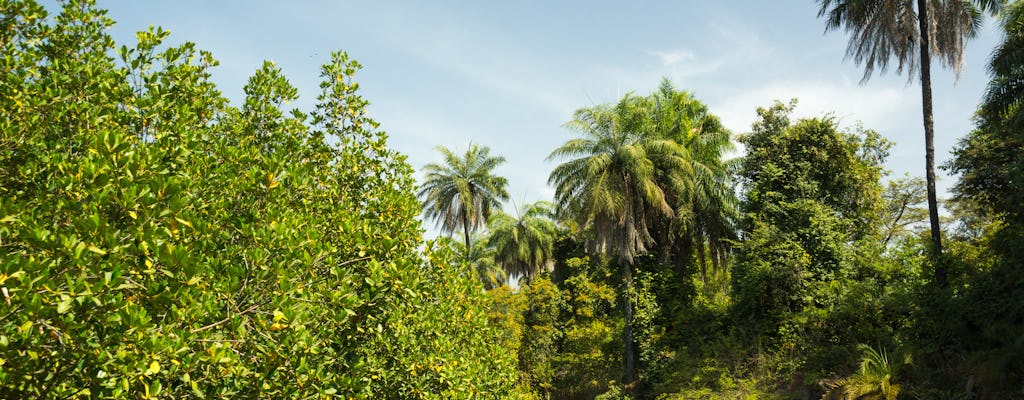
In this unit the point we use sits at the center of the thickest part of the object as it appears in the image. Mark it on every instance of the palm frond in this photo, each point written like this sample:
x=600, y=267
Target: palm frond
x=886, y=33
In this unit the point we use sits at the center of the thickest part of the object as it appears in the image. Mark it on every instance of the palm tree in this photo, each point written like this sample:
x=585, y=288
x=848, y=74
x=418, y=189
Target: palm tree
x=883, y=31
x=523, y=244
x=1005, y=92
x=482, y=262
x=874, y=380
x=609, y=186
x=706, y=205
x=461, y=192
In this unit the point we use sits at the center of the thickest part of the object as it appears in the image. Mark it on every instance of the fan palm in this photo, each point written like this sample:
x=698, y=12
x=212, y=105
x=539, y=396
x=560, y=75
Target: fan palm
x=523, y=244
x=609, y=186
x=909, y=33
x=461, y=192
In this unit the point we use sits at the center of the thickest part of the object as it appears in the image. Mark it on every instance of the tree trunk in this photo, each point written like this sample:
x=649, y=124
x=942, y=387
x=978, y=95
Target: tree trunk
x=702, y=256
x=929, y=140
x=627, y=310
x=465, y=231
x=684, y=254
x=716, y=260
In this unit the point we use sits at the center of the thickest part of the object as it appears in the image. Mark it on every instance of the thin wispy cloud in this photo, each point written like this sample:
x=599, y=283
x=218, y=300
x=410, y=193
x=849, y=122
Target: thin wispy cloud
x=670, y=58
x=847, y=102
x=726, y=49
x=486, y=58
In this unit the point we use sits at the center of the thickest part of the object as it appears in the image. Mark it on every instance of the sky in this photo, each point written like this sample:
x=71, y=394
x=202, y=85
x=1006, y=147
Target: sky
x=508, y=75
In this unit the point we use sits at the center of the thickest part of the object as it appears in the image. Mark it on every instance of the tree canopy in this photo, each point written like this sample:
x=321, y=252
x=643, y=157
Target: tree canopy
x=160, y=241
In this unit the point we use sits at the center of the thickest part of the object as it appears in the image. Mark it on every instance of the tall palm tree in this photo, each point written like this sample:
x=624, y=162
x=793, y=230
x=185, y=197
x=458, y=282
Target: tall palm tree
x=609, y=186
x=461, y=192
x=523, y=245
x=885, y=31
x=706, y=205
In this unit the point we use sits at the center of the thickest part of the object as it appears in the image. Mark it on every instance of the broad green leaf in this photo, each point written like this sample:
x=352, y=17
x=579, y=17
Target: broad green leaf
x=97, y=250
x=154, y=367
x=64, y=305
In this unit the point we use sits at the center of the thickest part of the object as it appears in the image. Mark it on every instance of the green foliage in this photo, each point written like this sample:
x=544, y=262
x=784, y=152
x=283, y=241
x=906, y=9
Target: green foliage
x=507, y=315
x=481, y=260
x=441, y=344
x=706, y=207
x=610, y=184
x=523, y=245
x=571, y=343
x=647, y=167
x=979, y=320
x=1004, y=95
x=542, y=336
x=988, y=159
x=160, y=243
x=875, y=380
x=903, y=213
x=812, y=204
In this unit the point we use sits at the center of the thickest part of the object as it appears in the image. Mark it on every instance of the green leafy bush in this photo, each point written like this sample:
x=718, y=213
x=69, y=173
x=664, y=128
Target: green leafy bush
x=158, y=242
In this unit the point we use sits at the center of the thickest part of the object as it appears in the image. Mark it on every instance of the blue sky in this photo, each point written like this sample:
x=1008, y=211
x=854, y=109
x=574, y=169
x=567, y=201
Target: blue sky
x=508, y=74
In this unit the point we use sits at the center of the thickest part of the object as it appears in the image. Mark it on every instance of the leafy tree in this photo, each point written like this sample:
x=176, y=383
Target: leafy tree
x=903, y=198
x=812, y=202
x=609, y=186
x=461, y=192
x=571, y=344
x=887, y=31
x=523, y=245
x=159, y=243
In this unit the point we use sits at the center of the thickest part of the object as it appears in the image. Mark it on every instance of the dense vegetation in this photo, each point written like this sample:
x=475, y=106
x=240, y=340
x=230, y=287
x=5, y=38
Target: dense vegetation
x=160, y=242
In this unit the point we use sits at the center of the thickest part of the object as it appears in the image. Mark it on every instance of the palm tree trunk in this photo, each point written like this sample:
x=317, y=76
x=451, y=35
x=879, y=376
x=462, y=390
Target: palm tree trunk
x=684, y=254
x=716, y=260
x=627, y=310
x=465, y=231
x=929, y=139
x=702, y=256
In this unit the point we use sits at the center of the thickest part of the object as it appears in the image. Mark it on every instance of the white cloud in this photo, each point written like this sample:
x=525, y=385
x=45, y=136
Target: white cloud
x=729, y=49
x=878, y=107
x=670, y=58
x=482, y=56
